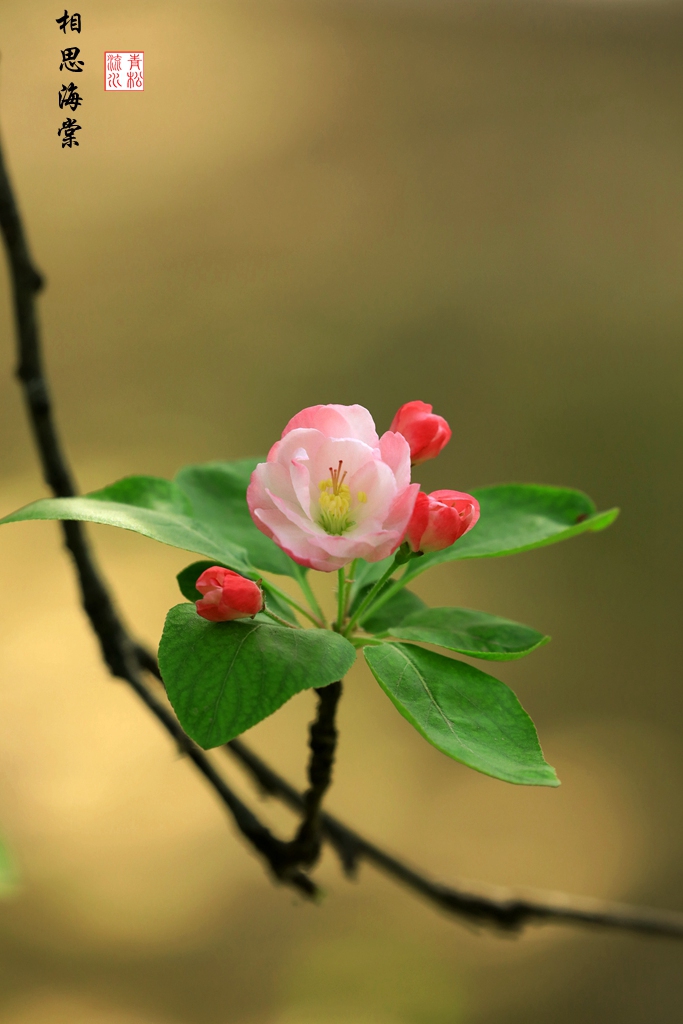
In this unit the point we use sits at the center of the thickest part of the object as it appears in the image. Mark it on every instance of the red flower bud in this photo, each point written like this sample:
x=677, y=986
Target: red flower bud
x=227, y=595
x=425, y=432
x=440, y=518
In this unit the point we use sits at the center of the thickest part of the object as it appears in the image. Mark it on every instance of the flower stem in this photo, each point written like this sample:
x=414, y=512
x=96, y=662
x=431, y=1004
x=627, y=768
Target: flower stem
x=273, y=589
x=311, y=598
x=398, y=560
x=341, y=597
x=276, y=618
x=351, y=579
x=408, y=576
x=386, y=596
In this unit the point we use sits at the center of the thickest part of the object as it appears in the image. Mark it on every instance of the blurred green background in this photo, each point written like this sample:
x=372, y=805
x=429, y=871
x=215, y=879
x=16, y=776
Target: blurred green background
x=473, y=204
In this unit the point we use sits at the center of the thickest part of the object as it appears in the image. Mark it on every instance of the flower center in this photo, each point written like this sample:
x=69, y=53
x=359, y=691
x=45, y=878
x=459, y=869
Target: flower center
x=335, y=503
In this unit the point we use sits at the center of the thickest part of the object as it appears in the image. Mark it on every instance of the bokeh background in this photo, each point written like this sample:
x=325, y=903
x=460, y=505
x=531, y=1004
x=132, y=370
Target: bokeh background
x=477, y=204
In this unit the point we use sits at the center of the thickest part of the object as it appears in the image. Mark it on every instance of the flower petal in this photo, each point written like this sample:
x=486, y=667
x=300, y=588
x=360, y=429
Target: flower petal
x=396, y=453
x=338, y=421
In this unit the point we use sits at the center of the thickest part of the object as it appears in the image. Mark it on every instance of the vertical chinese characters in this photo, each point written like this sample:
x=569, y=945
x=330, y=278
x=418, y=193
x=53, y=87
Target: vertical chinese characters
x=68, y=95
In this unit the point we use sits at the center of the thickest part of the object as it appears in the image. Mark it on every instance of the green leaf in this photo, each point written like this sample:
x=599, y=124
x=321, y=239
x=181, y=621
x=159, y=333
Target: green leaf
x=189, y=576
x=204, y=510
x=468, y=715
x=148, y=505
x=395, y=611
x=224, y=677
x=519, y=517
x=469, y=632
x=218, y=493
x=151, y=492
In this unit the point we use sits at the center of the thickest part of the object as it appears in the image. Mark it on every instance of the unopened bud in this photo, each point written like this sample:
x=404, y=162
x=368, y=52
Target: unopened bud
x=425, y=432
x=227, y=595
x=441, y=518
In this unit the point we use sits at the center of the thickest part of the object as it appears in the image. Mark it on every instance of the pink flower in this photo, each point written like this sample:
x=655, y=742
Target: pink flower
x=440, y=518
x=425, y=432
x=227, y=595
x=332, y=491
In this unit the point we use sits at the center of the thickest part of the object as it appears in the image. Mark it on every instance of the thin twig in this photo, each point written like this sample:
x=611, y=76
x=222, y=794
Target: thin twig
x=507, y=909
x=304, y=848
x=274, y=850
x=120, y=653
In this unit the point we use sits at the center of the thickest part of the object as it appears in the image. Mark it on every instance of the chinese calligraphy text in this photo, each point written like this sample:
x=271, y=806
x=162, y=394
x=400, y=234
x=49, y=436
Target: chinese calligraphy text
x=69, y=127
x=68, y=96
x=69, y=59
x=73, y=21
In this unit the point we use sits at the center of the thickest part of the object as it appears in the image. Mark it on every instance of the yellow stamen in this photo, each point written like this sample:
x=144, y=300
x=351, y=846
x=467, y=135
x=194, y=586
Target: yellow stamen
x=335, y=503
x=362, y=497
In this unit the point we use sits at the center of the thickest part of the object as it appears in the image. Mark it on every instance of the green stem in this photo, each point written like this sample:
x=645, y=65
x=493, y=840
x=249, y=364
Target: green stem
x=311, y=598
x=341, y=597
x=350, y=581
x=399, y=560
x=408, y=576
x=273, y=589
x=386, y=596
x=276, y=618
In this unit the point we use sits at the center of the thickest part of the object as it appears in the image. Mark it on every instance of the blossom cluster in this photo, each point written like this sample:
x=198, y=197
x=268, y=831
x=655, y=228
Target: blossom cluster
x=332, y=491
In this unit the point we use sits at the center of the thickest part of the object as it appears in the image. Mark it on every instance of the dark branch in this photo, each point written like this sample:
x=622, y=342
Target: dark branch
x=304, y=848
x=274, y=850
x=120, y=653
x=507, y=909
x=126, y=659
x=323, y=743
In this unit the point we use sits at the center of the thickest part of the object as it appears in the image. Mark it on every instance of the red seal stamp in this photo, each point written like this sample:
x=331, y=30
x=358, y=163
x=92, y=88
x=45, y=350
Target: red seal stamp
x=124, y=71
